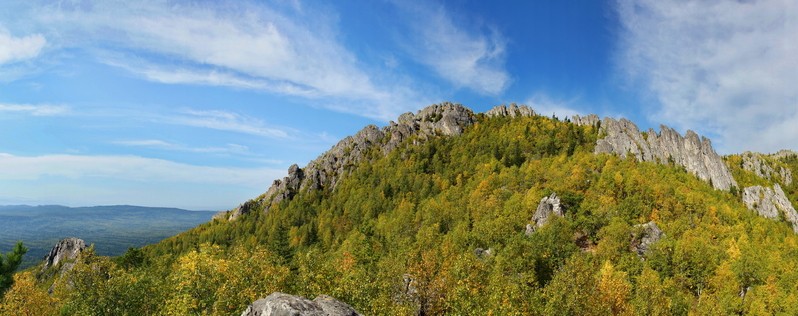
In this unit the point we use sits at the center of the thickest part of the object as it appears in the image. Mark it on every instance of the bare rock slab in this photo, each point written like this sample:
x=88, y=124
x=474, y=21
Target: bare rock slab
x=281, y=304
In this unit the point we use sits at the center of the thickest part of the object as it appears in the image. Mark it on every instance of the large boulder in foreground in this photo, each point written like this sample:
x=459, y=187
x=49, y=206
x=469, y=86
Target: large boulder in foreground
x=281, y=304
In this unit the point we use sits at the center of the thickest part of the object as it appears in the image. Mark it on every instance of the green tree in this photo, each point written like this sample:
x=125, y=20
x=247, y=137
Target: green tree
x=8, y=265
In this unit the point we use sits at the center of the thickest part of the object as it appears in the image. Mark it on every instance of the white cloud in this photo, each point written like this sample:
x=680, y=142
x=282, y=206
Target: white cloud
x=161, y=144
x=212, y=77
x=725, y=68
x=35, y=110
x=14, y=49
x=226, y=121
x=92, y=180
x=290, y=50
x=474, y=60
x=545, y=105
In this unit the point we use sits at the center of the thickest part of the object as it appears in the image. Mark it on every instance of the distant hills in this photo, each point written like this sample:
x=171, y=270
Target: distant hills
x=113, y=229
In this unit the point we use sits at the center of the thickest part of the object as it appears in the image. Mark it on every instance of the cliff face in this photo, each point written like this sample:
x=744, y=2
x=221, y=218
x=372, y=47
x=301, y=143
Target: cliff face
x=771, y=203
x=696, y=155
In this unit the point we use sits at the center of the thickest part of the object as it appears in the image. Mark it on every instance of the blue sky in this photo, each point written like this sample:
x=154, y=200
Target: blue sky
x=201, y=104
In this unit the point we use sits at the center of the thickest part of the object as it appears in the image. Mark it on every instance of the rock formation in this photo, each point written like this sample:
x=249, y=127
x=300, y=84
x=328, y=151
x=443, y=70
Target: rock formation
x=64, y=252
x=696, y=155
x=785, y=153
x=512, y=111
x=61, y=259
x=649, y=233
x=759, y=165
x=770, y=203
x=547, y=207
x=589, y=120
x=279, y=304
x=483, y=253
x=324, y=172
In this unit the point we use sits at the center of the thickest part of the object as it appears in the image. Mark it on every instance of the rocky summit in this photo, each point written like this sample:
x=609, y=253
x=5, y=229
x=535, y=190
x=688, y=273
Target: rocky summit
x=447, y=119
x=622, y=137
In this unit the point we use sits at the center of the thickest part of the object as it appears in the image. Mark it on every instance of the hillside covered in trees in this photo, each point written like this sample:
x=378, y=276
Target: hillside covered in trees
x=451, y=212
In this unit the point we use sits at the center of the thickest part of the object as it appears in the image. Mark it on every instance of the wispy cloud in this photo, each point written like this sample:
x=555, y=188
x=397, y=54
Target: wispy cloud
x=35, y=109
x=467, y=57
x=197, y=75
x=290, y=50
x=226, y=121
x=723, y=67
x=161, y=144
x=14, y=49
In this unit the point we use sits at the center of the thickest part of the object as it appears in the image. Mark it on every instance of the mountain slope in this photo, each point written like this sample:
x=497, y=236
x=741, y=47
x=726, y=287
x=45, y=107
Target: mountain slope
x=429, y=215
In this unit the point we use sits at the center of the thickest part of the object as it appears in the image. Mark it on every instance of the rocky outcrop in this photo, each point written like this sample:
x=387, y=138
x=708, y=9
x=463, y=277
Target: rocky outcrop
x=61, y=259
x=760, y=166
x=483, y=253
x=547, y=207
x=786, y=175
x=785, y=153
x=64, y=252
x=279, y=304
x=512, y=111
x=223, y=215
x=446, y=119
x=695, y=154
x=770, y=203
x=646, y=235
x=241, y=210
x=588, y=120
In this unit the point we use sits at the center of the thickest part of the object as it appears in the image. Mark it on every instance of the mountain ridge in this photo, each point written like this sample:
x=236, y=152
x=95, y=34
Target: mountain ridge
x=622, y=137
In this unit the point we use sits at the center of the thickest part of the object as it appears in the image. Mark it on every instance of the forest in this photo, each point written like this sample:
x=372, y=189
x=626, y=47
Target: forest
x=437, y=226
